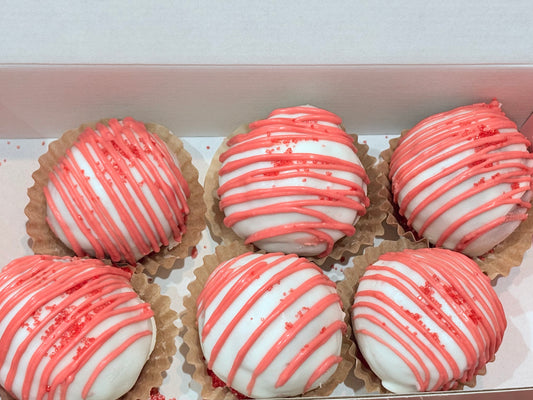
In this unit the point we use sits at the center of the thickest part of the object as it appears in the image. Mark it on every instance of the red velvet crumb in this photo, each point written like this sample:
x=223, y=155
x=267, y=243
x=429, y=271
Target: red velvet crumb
x=194, y=252
x=217, y=382
x=155, y=395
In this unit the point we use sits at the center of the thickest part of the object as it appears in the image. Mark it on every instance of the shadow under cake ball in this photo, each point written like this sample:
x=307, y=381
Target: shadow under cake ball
x=426, y=319
x=293, y=183
x=462, y=178
x=71, y=329
x=117, y=193
x=270, y=325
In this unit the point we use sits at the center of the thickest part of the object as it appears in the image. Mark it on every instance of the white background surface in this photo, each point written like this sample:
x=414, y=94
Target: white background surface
x=266, y=32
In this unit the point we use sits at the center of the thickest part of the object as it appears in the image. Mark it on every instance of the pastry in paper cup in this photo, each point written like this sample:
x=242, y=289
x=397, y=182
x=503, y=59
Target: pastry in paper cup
x=99, y=323
x=462, y=179
x=145, y=199
x=237, y=257
x=303, y=213
x=421, y=309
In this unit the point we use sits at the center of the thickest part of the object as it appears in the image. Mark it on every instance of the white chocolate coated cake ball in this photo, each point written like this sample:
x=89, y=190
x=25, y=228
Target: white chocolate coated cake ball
x=118, y=193
x=426, y=319
x=462, y=178
x=270, y=325
x=293, y=183
x=71, y=329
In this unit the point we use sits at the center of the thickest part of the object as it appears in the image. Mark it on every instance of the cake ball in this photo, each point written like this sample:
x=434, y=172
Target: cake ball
x=117, y=193
x=426, y=319
x=293, y=183
x=71, y=329
x=270, y=325
x=462, y=178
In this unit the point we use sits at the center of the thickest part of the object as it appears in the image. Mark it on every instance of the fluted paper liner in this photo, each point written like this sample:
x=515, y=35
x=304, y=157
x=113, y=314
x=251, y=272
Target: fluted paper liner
x=498, y=261
x=191, y=339
x=347, y=289
x=367, y=227
x=165, y=346
x=44, y=241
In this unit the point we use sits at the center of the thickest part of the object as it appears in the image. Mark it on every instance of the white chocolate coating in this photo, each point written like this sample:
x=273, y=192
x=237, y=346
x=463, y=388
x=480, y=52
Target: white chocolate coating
x=118, y=193
x=462, y=178
x=270, y=325
x=71, y=329
x=294, y=183
x=426, y=319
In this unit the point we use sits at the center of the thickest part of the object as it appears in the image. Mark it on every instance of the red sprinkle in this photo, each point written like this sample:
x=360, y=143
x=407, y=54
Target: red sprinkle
x=194, y=252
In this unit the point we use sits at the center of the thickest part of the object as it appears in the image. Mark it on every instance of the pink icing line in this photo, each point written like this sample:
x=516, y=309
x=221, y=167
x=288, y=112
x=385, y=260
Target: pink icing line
x=61, y=308
x=258, y=267
x=98, y=370
x=99, y=168
x=421, y=382
x=284, y=304
x=480, y=187
x=297, y=327
x=73, y=242
x=325, y=334
x=321, y=370
x=237, y=289
x=273, y=134
x=65, y=377
x=75, y=179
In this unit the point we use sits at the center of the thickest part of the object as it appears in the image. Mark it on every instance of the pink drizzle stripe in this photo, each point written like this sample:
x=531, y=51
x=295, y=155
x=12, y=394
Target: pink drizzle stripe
x=239, y=275
x=88, y=292
x=265, y=135
x=106, y=230
x=237, y=288
x=475, y=128
x=57, y=313
x=301, y=323
x=110, y=358
x=325, y=334
x=321, y=370
x=450, y=278
x=236, y=291
x=110, y=191
x=71, y=237
x=113, y=153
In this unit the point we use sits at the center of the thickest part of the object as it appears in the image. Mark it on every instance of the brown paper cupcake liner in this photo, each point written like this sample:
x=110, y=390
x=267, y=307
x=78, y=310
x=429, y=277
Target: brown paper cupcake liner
x=5, y=395
x=368, y=227
x=44, y=241
x=498, y=262
x=165, y=346
x=347, y=290
x=191, y=341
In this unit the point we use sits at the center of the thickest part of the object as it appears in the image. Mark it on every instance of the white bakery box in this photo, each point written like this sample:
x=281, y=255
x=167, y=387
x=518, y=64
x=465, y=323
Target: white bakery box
x=202, y=104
